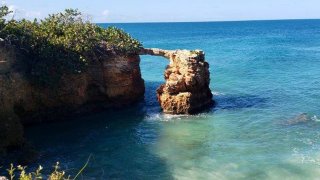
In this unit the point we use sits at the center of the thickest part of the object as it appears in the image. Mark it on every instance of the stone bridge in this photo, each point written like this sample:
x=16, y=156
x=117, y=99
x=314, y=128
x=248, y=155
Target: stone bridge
x=186, y=90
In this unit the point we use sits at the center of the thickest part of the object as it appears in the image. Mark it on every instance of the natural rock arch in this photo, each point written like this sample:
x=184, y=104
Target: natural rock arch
x=113, y=81
x=187, y=77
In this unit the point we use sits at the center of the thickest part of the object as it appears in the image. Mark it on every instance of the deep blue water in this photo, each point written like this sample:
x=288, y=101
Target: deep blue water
x=264, y=74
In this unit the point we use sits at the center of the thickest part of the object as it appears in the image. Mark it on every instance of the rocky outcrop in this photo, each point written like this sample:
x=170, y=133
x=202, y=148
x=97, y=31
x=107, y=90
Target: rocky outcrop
x=113, y=81
x=186, y=89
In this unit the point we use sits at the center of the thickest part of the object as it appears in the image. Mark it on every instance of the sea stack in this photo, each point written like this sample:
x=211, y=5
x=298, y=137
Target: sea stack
x=186, y=90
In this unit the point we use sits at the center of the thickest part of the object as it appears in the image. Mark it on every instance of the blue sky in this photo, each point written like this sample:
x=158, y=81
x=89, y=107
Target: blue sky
x=171, y=10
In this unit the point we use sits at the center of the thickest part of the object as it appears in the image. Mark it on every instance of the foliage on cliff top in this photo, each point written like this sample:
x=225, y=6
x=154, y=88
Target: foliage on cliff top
x=62, y=43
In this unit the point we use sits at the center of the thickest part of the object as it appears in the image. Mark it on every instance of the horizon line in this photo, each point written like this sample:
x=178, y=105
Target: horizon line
x=209, y=21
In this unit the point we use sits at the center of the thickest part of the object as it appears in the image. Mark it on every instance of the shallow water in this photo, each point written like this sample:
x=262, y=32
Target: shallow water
x=264, y=75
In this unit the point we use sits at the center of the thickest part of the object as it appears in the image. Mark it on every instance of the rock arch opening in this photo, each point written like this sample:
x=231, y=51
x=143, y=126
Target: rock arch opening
x=187, y=78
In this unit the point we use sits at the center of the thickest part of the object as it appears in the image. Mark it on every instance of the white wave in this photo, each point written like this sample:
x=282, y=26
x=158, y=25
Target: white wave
x=154, y=116
x=216, y=93
x=315, y=118
x=172, y=117
x=164, y=117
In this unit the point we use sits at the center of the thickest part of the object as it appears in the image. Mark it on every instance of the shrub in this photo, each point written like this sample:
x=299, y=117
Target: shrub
x=62, y=43
x=20, y=173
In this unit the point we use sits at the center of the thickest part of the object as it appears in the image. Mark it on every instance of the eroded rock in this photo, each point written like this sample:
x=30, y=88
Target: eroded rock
x=113, y=81
x=186, y=89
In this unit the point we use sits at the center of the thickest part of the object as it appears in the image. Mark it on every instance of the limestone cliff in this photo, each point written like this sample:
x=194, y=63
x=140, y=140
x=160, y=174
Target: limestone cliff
x=112, y=81
x=186, y=89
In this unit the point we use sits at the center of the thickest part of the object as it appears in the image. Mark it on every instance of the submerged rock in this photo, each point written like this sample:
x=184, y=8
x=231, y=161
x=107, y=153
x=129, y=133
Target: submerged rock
x=186, y=89
x=301, y=118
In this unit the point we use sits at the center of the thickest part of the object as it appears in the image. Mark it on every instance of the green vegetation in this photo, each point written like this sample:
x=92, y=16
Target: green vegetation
x=20, y=173
x=62, y=43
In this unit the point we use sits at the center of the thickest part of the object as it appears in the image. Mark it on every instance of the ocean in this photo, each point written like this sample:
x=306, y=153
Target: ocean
x=265, y=77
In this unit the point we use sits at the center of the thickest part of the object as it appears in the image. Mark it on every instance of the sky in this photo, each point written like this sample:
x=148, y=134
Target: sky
x=103, y=11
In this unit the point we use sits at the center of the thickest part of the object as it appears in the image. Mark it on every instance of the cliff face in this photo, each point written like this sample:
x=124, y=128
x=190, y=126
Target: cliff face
x=186, y=89
x=113, y=81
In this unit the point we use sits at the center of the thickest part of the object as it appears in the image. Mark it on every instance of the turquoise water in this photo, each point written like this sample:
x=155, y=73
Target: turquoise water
x=264, y=75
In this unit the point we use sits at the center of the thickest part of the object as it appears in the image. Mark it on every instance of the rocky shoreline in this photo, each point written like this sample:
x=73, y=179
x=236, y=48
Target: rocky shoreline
x=114, y=81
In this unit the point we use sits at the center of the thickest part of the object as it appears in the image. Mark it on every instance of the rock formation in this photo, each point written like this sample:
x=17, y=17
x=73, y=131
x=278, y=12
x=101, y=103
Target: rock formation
x=114, y=81
x=186, y=89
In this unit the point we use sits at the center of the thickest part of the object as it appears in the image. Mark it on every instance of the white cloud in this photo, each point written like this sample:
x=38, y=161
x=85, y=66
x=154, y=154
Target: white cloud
x=19, y=13
x=106, y=13
x=13, y=8
x=102, y=17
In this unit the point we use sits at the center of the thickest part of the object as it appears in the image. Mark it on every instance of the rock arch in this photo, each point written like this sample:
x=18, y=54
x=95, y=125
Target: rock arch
x=186, y=90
